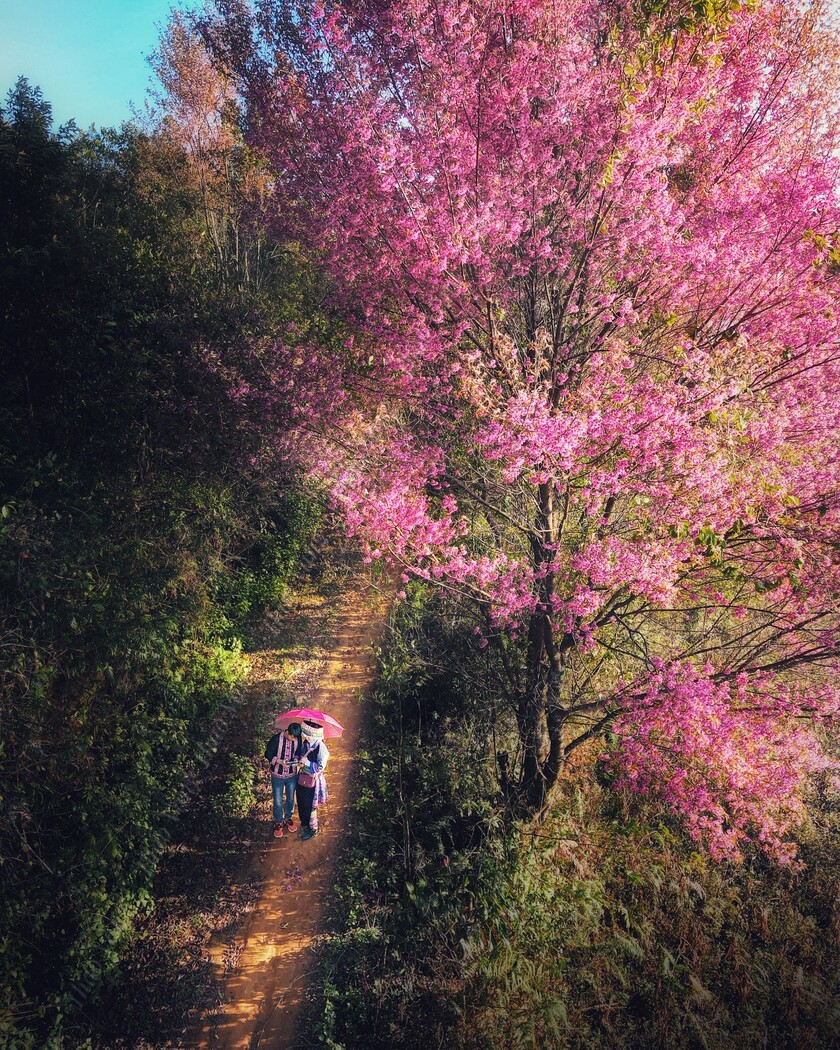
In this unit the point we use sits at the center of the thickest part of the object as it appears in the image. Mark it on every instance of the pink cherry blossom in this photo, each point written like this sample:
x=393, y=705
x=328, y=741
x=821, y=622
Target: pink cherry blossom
x=589, y=261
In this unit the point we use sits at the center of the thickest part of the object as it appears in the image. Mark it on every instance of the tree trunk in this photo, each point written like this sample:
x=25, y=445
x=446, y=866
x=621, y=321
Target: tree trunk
x=540, y=713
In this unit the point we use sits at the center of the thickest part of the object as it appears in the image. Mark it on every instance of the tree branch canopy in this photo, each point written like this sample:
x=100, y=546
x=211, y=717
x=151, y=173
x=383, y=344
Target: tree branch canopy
x=586, y=253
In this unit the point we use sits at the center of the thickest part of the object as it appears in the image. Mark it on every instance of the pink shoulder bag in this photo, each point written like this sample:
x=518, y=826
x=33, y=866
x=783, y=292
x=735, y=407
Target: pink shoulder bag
x=307, y=780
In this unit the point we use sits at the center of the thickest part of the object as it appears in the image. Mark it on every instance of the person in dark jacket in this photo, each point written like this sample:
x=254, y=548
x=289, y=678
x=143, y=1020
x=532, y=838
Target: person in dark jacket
x=283, y=753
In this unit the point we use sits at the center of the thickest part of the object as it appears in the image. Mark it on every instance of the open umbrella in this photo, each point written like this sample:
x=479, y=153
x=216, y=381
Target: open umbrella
x=332, y=727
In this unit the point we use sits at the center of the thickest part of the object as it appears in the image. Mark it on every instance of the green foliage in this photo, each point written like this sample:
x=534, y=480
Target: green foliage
x=686, y=15
x=258, y=577
x=136, y=537
x=238, y=796
x=602, y=926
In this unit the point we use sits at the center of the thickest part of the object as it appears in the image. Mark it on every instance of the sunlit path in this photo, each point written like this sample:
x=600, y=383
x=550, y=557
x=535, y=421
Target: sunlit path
x=263, y=968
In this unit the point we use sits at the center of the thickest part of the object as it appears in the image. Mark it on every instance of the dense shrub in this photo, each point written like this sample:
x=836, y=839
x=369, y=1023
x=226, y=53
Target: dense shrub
x=602, y=926
x=144, y=520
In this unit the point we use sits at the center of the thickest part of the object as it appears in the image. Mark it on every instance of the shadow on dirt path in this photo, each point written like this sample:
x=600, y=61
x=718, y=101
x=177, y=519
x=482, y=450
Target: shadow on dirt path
x=262, y=967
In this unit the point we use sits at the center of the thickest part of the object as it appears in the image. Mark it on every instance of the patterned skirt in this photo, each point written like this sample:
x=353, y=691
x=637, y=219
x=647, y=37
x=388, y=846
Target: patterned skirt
x=321, y=791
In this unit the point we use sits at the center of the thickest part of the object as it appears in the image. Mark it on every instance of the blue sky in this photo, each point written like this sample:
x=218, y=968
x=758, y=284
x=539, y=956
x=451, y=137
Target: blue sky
x=87, y=56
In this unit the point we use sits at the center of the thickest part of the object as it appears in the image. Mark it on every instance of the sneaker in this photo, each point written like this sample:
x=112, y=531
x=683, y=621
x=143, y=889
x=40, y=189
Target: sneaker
x=278, y=831
x=308, y=833
x=290, y=825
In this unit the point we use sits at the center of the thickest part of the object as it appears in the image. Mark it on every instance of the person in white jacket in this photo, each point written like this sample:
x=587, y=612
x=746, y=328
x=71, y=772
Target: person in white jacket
x=311, y=782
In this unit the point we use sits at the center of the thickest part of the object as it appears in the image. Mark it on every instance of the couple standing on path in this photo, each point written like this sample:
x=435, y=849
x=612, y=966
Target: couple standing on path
x=297, y=757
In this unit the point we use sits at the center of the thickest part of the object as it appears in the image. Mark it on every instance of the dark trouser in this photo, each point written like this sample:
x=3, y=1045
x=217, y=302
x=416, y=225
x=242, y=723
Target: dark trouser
x=308, y=815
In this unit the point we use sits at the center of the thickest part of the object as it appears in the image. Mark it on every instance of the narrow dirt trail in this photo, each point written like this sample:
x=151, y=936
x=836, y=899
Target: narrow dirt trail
x=262, y=969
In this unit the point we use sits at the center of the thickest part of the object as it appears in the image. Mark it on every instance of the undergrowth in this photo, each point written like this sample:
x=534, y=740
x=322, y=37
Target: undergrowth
x=604, y=926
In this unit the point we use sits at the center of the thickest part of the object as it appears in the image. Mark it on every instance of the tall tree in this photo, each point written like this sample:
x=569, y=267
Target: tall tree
x=589, y=254
x=195, y=104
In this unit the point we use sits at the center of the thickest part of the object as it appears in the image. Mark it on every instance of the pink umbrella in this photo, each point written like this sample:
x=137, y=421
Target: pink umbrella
x=332, y=727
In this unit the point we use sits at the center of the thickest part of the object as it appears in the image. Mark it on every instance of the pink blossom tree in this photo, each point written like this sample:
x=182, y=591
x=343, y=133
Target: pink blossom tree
x=588, y=254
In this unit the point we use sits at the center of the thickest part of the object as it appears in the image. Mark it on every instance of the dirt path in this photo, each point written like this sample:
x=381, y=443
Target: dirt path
x=263, y=967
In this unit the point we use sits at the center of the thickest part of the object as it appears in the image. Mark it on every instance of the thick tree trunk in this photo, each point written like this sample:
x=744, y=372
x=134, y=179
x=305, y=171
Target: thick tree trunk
x=532, y=730
x=541, y=719
x=541, y=715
